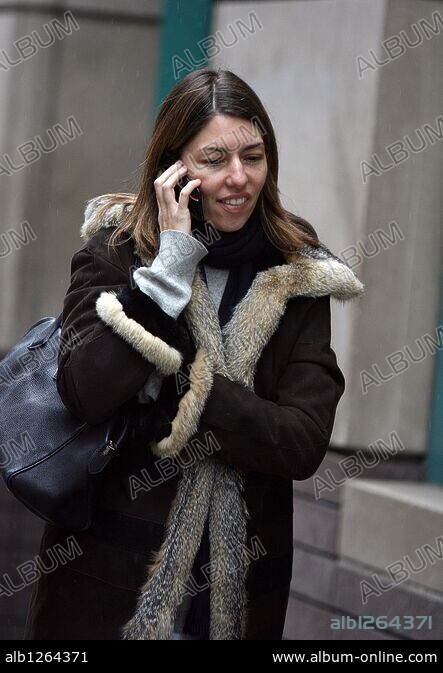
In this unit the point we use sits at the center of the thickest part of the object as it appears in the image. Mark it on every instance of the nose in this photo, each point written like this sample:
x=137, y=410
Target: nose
x=237, y=175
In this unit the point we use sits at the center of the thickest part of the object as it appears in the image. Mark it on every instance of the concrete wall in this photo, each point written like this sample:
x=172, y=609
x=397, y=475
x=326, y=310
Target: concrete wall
x=346, y=548
x=101, y=76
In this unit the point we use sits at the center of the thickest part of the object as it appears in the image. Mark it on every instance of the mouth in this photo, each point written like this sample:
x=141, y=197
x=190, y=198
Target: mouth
x=234, y=205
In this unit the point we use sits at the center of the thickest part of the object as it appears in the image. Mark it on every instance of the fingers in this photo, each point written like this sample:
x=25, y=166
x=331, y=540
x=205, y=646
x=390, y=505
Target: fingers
x=185, y=193
x=163, y=175
x=165, y=183
x=173, y=215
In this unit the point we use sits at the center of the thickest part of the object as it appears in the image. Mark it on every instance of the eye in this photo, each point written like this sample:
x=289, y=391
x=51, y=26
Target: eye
x=250, y=158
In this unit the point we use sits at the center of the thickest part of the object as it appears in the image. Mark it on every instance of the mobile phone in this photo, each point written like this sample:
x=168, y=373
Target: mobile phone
x=195, y=200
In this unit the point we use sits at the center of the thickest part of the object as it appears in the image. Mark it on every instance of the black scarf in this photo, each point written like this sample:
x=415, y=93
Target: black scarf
x=244, y=252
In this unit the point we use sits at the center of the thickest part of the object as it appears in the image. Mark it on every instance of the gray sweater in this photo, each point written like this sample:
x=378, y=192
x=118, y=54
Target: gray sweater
x=168, y=281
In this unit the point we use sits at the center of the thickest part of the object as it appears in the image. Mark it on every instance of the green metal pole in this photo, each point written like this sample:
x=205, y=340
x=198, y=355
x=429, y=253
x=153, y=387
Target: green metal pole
x=185, y=24
x=435, y=450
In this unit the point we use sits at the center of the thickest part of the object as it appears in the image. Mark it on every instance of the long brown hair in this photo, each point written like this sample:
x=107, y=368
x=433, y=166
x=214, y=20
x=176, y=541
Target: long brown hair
x=197, y=98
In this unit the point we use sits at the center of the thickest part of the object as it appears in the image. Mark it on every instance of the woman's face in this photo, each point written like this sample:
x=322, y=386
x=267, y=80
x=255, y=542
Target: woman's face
x=228, y=167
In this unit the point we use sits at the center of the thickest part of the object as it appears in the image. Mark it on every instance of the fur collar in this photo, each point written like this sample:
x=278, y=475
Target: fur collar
x=312, y=272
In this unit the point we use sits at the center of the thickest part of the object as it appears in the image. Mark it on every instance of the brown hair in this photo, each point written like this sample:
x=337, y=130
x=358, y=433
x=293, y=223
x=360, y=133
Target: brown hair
x=197, y=98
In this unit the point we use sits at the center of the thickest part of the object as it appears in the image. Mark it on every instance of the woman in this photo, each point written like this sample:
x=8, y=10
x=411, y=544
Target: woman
x=207, y=305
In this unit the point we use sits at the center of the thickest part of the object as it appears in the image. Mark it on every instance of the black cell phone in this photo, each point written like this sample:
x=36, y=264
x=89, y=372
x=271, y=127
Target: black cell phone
x=195, y=198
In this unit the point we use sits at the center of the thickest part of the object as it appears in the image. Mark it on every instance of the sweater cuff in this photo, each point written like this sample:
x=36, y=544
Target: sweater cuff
x=168, y=281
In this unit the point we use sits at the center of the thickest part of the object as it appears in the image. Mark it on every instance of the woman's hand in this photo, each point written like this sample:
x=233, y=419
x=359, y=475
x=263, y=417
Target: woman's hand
x=173, y=215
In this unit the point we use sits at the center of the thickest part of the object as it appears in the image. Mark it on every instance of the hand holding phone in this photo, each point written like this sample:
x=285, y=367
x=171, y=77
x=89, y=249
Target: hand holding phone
x=173, y=189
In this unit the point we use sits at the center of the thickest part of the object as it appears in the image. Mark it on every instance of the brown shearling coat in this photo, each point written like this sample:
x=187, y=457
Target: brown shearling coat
x=273, y=421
